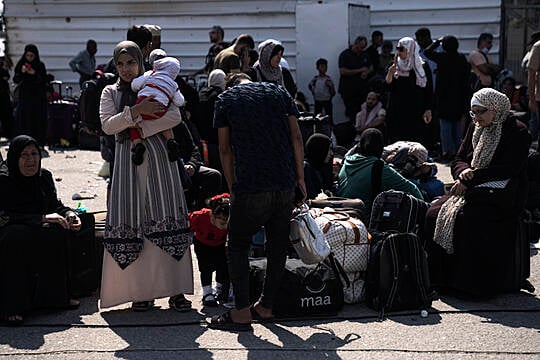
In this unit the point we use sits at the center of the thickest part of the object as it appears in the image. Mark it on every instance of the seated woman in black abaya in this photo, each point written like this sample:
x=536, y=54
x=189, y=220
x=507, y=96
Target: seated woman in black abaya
x=34, y=234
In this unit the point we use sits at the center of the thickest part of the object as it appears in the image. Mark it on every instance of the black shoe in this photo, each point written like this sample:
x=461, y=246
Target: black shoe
x=209, y=300
x=138, y=154
x=173, y=150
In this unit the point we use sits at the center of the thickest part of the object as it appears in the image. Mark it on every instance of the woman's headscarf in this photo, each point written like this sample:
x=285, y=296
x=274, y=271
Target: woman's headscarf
x=16, y=148
x=485, y=141
x=35, y=63
x=217, y=78
x=317, y=147
x=267, y=49
x=128, y=47
x=412, y=62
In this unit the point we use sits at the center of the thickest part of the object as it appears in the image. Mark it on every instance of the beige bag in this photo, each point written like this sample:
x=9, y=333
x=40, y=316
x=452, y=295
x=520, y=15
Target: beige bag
x=348, y=238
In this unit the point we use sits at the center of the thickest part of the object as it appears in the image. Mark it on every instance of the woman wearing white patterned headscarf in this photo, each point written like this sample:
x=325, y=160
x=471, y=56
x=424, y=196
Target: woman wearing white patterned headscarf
x=411, y=93
x=476, y=224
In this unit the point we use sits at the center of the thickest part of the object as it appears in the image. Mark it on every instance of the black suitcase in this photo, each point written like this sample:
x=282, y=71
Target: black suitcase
x=304, y=290
x=310, y=124
x=397, y=211
x=86, y=258
x=521, y=259
x=63, y=119
x=353, y=207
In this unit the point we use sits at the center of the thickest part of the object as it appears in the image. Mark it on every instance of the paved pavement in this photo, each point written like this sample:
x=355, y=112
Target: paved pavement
x=506, y=327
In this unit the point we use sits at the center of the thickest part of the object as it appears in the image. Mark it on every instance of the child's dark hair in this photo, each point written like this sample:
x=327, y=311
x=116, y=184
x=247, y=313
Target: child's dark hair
x=321, y=61
x=220, y=204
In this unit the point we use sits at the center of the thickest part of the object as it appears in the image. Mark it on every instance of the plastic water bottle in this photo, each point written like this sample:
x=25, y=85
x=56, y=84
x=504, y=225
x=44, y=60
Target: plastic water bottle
x=80, y=208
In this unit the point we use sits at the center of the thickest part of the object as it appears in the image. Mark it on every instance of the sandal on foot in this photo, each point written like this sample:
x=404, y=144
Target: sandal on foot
x=209, y=300
x=257, y=317
x=142, y=305
x=179, y=303
x=14, y=320
x=225, y=322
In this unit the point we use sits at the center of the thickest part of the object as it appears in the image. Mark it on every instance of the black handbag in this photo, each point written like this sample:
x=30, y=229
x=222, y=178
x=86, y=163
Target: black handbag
x=305, y=289
x=488, y=199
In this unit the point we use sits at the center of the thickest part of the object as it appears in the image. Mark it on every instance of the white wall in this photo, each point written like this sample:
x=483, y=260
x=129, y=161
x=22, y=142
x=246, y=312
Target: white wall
x=316, y=37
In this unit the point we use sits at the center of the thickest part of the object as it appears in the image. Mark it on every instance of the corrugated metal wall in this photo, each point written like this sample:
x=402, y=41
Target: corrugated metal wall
x=60, y=28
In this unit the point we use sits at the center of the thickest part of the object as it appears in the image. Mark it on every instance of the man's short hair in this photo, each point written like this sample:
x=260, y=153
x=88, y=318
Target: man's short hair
x=218, y=29
x=154, y=29
x=91, y=43
x=245, y=39
x=140, y=35
x=234, y=79
x=484, y=37
x=321, y=61
x=360, y=38
x=423, y=32
x=375, y=34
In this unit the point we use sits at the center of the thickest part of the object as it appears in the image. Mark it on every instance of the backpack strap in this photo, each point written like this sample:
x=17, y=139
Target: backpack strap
x=337, y=269
x=376, y=177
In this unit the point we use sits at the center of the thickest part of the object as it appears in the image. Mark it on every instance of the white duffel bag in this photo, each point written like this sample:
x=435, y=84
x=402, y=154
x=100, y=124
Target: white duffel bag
x=348, y=238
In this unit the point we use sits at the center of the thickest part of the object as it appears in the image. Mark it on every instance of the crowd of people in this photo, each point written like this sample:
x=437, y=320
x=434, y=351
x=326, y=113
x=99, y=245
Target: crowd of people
x=211, y=166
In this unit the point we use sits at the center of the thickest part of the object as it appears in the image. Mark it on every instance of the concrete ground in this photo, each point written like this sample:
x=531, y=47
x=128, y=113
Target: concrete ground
x=506, y=327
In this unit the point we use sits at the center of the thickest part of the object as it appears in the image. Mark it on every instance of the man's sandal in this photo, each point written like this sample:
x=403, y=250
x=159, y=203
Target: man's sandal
x=258, y=318
x=225, y=322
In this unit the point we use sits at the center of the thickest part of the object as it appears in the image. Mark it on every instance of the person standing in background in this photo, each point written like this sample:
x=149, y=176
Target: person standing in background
x=31, y=113
x=322, y=88
x=84, y=62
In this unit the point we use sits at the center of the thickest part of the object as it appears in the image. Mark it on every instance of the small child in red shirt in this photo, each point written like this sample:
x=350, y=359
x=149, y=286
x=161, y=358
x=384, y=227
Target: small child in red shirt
x=210, y=227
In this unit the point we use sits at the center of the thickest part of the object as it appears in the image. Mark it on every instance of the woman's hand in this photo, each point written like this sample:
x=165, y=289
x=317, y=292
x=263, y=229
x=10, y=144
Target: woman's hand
x=458, y=188
x=55, y=218
x=73, y=221
x=149, y=107
x=466, y=174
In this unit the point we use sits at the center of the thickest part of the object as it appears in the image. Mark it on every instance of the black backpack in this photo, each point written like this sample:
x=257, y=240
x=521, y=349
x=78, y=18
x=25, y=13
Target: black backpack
x=398, y=275
x=89, y=102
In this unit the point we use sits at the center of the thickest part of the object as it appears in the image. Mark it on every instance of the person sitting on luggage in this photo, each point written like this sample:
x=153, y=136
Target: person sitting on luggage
x=472, y=230
x=158, y=83
x=34, y=233
x=355, y=178
x=371, y=115
x=318, y=158
x=411, y=160
x=210, y=233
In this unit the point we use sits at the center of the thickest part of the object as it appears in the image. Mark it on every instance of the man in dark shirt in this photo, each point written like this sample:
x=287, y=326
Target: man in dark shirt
x=377, y=39
x=262, y=155
x=354, y=69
